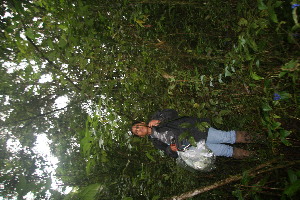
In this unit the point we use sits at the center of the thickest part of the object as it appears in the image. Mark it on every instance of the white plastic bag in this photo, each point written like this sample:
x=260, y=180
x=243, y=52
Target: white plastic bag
x=199, y=158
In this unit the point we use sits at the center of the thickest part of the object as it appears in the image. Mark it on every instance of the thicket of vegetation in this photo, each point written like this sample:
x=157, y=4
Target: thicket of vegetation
x=235, y=61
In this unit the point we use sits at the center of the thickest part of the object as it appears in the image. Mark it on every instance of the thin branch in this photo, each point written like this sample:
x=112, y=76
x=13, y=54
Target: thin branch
x=43, y=56
x=251, y=172
x=34, y=117
x=52, y=64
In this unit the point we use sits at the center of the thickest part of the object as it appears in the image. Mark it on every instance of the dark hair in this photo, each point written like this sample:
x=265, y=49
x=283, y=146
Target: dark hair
x=134, y=123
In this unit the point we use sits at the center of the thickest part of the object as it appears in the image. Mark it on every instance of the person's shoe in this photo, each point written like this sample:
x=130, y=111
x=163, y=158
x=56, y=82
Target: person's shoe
x=243, y=137
x=241, y=153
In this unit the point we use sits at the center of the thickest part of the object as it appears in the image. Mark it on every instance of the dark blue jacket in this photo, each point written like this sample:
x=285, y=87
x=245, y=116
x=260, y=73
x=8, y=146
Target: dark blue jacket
x=170, y=121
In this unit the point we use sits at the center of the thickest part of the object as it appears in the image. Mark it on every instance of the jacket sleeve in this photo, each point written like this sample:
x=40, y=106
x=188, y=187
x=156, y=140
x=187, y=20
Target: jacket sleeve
x=165, y=115
x=164, y=147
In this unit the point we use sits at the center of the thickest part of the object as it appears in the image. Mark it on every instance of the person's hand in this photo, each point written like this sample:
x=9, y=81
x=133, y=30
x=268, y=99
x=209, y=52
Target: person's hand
x=173, y=147
x=153, y=123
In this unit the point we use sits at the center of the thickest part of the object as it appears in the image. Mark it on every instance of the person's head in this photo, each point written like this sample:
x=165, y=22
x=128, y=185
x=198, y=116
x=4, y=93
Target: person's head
x=140, y=129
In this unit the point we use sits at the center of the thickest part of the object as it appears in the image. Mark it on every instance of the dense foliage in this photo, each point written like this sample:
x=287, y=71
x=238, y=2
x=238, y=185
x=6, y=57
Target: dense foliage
x=236, y=62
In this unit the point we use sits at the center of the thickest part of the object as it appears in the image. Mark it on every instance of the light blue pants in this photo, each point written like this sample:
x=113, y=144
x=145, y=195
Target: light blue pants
x=216, y=139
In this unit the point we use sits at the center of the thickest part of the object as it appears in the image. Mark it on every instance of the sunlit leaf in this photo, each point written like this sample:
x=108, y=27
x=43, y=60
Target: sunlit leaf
x=255, y=76
x=227, y=72
x=196, y=105
x=266, y=107
x=192, y=141
x=220, y=78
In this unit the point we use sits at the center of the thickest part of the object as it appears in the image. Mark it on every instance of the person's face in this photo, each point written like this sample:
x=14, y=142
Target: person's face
x=140, y=129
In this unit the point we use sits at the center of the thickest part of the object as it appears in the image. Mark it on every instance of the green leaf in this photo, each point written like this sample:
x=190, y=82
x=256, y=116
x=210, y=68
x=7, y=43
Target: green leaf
x=196, y=105
x=278, y=3
x=227, y=72
x=276, y=116
x=273, y=16
x=203, y=79
x=232, y=69
x=185, y=125
x=22, y=184
x=103, y=156
x=224, y=112
x=170, y=88
x=242, y=41
x=50, y=43
x=281, y=74
x=63, y=27
x=284, y=133
x=29, y=33
x=266, y=107
x=284, y=95
x=212, y=102
x=261, y=5
x=292, y=189
x=156, y=197
x=127, y=198
x=184, y=135
x=257, y=63
x=220, y=78
x=290, y=66
x=89, y=192
x=62, y=43
x=86, y=145
x=243, y=22
x=211, y=82
x=140, y=22
x=89, y=166
x=275, y=125
x=192, y=141
x=292, y=176
x=150, y=157
x=255, y=76
x=202, y=126
x=267, y=85
x=48, y=183
x=252, y=44
x=218, y=120
x=201, y=107
x=285, y=141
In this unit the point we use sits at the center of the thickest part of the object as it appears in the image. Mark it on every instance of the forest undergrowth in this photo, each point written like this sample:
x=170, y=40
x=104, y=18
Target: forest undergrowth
x=235, y=62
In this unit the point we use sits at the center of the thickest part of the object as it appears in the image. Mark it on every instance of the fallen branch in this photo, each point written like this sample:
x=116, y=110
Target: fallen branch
x=251, y=172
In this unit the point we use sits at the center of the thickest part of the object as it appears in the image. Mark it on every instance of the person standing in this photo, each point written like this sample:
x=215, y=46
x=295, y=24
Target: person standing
x=166, y=129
